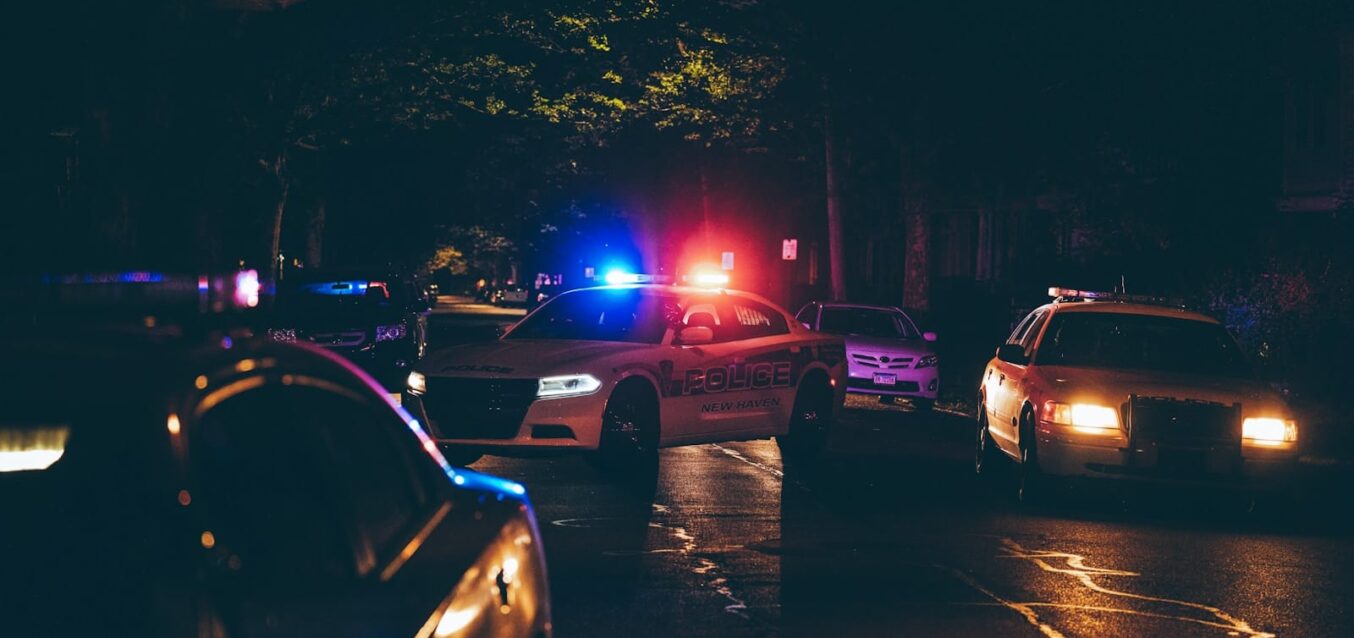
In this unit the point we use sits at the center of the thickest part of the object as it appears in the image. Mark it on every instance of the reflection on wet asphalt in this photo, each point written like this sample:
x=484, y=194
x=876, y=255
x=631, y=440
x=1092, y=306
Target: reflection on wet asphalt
x=892, y=535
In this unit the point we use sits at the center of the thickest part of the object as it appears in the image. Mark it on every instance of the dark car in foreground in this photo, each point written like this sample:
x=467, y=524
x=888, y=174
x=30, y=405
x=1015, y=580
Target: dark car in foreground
x=376, y=319
x=156, y=484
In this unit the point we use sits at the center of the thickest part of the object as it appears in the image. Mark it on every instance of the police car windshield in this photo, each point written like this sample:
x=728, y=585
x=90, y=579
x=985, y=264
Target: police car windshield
x=1141, y=342
x=601, y=314
x=866, y=322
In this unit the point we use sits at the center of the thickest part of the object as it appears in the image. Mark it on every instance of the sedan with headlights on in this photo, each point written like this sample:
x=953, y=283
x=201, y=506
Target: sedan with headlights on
x=1099, y=385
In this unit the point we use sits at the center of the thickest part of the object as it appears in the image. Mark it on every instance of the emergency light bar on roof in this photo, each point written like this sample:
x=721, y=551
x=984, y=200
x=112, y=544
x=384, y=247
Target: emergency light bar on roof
x=1061, y=295
x=141, y=292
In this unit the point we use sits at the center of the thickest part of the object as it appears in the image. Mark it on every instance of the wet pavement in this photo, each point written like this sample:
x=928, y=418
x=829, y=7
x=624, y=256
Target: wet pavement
x=892, y=534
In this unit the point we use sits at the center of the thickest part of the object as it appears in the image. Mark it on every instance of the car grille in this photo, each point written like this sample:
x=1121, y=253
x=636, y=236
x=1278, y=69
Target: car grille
x=883, y=362
x=346, y=339
x=1176, y=422
x=466, y=408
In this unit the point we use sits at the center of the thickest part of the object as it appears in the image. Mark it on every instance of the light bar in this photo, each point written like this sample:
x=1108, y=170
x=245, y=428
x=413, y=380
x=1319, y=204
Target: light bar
x=1069, y=294
x=708, y=279
x=621, y=277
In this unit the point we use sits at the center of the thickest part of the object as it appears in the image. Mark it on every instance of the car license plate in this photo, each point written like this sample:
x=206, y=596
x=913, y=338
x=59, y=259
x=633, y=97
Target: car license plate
x=881, y=378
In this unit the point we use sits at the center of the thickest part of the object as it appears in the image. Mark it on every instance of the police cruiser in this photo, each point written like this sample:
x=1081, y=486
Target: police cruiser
x=1112, y=386
x=622, y=370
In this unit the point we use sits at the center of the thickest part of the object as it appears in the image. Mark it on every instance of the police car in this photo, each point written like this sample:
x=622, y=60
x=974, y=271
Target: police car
x=170, y=478
x=1102, y=385
x=626, y=369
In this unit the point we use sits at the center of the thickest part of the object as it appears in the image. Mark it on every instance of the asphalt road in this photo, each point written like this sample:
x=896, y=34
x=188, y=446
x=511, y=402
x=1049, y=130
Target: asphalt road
x=892, y=535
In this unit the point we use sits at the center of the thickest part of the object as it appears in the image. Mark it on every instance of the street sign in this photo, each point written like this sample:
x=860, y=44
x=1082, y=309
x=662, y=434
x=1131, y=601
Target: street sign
x=789, y=249
x=726, y=261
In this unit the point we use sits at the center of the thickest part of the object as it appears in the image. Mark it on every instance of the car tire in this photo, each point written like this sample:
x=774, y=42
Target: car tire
x=986, y=457
x=810, y=422
x=629, y=441
x=1034, y=487
x=459, y=456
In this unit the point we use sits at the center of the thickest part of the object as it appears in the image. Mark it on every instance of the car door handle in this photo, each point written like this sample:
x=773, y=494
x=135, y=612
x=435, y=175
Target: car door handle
x=1001, y=378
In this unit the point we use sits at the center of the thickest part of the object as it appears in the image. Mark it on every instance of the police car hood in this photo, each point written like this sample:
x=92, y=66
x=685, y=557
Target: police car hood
x=525, y=357
x=1075, y=384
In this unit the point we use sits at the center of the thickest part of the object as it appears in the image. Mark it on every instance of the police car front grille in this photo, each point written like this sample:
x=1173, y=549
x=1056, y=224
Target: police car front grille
x=465, y=408
x=1175, y=422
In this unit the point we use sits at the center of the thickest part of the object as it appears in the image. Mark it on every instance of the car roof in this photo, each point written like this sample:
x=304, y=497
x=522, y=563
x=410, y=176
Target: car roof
x=1115, y=307
x=860, y=306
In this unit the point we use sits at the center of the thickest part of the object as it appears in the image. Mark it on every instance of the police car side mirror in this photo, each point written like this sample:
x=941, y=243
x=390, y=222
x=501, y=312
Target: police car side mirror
x=695, y=335
x=1012, y=353
x=929, y=336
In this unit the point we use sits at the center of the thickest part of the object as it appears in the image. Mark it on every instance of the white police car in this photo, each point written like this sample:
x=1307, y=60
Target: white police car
x=626, y=369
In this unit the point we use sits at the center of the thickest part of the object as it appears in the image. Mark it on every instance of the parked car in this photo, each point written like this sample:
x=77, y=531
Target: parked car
x=376, y=319
x=1106, y=386
x=888, y=356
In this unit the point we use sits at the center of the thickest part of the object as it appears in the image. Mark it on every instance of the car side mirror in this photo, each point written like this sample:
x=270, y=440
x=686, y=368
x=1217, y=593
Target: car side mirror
x=1012, y=353
x=929, y=336
x=695, y=335
x=806, y=325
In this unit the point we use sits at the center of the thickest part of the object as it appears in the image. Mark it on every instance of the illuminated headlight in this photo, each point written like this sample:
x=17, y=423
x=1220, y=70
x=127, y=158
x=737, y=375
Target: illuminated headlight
x=390, y=333
x=417, y=382
x=929, y=361
x=1086, y=417
x=1269, y=430
x=282, y=334
x=571, y=385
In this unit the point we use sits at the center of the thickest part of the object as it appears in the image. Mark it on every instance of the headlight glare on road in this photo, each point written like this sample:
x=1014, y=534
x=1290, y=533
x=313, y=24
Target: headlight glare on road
x=417, y=382
x=569, y=385
x=929, y=361
x=390, y=333
x=1085, y=417
x=1269, y=430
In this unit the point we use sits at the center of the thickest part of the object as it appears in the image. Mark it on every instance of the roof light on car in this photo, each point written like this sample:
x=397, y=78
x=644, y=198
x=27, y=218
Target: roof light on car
x=569, y=385
x=617, y=277
x=1269, y=430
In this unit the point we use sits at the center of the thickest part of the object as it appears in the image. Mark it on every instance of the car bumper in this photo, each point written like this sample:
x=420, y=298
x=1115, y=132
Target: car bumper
x=923, y=383
x=1219, y=466
x=389, y=363
x=550, y=425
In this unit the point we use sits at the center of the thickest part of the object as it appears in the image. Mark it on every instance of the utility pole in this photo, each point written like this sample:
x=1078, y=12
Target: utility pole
x=836, y=260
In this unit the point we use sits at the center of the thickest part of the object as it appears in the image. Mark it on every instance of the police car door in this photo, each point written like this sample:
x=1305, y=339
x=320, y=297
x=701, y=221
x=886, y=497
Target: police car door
x=735, y=385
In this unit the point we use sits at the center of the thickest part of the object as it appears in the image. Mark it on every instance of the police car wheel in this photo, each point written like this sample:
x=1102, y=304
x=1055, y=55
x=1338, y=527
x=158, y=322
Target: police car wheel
x=1035, y=488
x=629, y=429
x=986, y=456
x=810, y=422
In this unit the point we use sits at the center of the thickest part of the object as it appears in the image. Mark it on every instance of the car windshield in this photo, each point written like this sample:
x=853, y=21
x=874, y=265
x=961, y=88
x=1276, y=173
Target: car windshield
x=866, y=322
x=1141, y=342
x=346, y=297
x=600, y=314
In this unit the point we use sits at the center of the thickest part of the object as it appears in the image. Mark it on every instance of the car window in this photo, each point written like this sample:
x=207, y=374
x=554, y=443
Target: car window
x=1019, y=332
x=601, y=314
x=305, y=481
x=867, y=322
x=747, y=319
x=1027, y=340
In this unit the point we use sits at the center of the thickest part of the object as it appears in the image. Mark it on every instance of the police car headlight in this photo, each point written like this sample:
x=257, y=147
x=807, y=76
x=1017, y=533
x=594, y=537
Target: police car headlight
x=1269, y=431
x=570, y=385
x=282, y=334
x=1085, y=417
x=929, y=361
x=417, y=382
x=390, y=333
